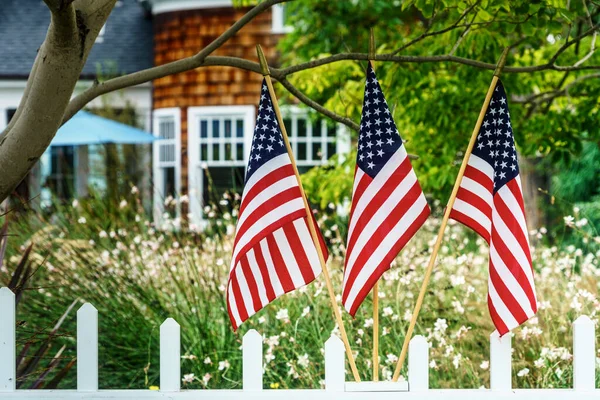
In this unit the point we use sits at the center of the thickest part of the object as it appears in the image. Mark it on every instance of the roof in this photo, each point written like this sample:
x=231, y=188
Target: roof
x=86, y=128
x=125, y=46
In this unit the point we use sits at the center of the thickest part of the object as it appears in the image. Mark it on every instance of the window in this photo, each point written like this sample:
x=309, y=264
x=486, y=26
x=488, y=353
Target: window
x=167, y=162
x=313, y=140
x=219, y=143
x=278, y=19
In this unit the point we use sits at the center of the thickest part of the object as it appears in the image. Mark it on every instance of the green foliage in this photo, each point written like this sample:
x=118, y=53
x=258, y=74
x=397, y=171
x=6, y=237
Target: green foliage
x=435, y=105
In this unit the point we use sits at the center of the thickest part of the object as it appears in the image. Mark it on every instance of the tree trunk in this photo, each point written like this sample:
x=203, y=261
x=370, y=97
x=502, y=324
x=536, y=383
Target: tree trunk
x=534, y=178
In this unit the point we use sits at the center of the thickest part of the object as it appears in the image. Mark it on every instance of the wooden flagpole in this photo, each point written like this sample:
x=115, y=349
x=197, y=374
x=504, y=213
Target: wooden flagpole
x=336, y=311
x=375, y=375
x=449, y=206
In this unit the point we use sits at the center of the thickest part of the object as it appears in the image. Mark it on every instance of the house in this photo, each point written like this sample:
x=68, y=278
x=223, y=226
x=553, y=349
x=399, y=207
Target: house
x=203, y=118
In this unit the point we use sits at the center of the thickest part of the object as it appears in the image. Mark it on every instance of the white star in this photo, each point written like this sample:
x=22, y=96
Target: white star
x=492, y=153
x=280, y=142
x=268, y=117
x=380, y=153
x=388, y=121
x=269, y=109
x=257, y=157
x=264, y=128
x=378, y=132
x=262, y=96
x=501, y=111
x=370, y=154
x=367, y=113
x=371, y=165
x=488, y=133
x=361, y=157
x=377, y=111
x=513, y=167
x=503, y=100
x=490, y=143
x=379, y=142
x=264, y=88
x=503, y=164
x=480, y=146
x=506, y=144
x=369, y=144
x=269, y=148
x=376, y=100
x=260, y=146
x=502, y=175
x=368, y=123
x=262, y=136
x=493, y=111
x=504, y=154
x=387, y=111
x=271, y=139
x=485, y=124
x=390, y=141
x=376, y=90
x=389, y=131
x=377, y=122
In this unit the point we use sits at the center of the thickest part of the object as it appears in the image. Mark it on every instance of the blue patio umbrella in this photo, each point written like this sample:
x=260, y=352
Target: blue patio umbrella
x=87, y=129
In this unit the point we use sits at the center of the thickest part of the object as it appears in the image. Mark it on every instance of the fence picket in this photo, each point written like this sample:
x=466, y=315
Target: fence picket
x=500, y=362
x=584, y=354
x=7, y=340
x=170, y=356
x=335, y=357
x=87, y=348
x=252, y=367
x=418, y=364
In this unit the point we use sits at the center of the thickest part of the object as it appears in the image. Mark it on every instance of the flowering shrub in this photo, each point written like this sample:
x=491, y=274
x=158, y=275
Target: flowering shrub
x=137, y=275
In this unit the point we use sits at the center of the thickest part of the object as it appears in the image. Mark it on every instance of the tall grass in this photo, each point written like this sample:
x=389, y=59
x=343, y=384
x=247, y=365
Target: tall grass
x=136, y=275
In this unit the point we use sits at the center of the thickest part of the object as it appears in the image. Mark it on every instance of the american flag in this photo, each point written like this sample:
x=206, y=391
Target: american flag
x=490, y=201
x=388, y=205
x=273, y=250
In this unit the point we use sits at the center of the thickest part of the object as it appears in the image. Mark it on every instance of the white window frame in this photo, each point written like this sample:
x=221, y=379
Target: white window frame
x=294, y=113
x=157, y=165
x=195, y=178
x=277, y=20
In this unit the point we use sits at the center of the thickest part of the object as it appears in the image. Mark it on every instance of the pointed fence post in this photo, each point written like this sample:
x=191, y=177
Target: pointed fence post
x=252, y=367
x=418, y=364
x=7, y=340
x=87, y=348
x=335, y=356
x=584, y=354
x=170, y=356
x=500, y=362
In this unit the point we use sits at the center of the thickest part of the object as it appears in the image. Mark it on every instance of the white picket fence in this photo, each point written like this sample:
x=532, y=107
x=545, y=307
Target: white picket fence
x=417, y=387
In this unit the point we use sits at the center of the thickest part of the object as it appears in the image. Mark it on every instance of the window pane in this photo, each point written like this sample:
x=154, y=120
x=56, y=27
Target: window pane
x=216, y=156
x=228, y=150
x=169, y=182
x=239, y=128
x=316, y=128
x=166, y=152
x=331, y=130
x=215, y=127
x=203, y=128
x=288, y=126
x=203, y=152
x=240, y=152
x=331, y=147
x=302, y=127
x=227, y=123
x=316, y=151
x=166, y=128
x=301, y=151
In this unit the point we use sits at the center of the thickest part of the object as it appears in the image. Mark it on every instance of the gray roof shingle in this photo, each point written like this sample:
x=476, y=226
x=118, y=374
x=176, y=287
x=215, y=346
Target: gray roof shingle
x=126, y=45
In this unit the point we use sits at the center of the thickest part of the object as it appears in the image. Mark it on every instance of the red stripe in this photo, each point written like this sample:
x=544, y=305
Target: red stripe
x=513, y=265
x=505, y=294
x=231, y=317
x=296, y=245
x=480, y=177
x=364, y=183
x=384, y=265
x=471, y=223
x=237, y=294
x=375, y=204
x=264, y=272
x=266, y=181
x=280, y=268
x=268, y=230
x=244, y=268
x=498, y=322
x=380, y=234
x=322, y=243
x=516, y=191
x=269, y=205
x=513, y=224
x=471, y=198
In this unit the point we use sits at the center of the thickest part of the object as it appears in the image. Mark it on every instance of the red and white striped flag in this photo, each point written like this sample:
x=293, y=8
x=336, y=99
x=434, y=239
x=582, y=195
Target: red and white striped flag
x=273, y=249
x=388, y=205
x=490, y=201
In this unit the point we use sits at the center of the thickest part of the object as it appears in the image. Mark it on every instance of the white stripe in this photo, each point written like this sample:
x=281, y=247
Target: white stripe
x=481, y=165
x=357, y=177
x=262, y=289
x=375, y=186
x=379, y=217
x=233, y=306
x=272, y=216
x=513, y=245
x=263, y=171
x=277, y=288
x=501, y=309
x=266, y=195
x=383, y=249
x=510, y=281
x=308, y=245
x=513, y=205
x=288, y=257
x=245, y=290
x=473, y=212
x=477, y=188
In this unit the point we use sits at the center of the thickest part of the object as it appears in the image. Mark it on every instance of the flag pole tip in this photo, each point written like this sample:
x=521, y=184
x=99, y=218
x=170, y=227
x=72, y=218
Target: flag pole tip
x=264, y=66
x=371, y=45
x=501, y=62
